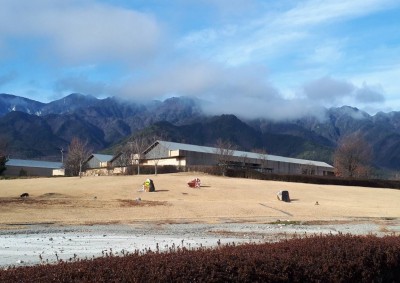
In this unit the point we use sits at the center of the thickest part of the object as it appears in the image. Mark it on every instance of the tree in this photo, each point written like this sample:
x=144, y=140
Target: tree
x=352, y=157
x=156, y=156
x=263, y=157
x=78, y=153
x=157, y=153
x=124, y=157
x=244, y=160
x=3, y=155
x=3, y=160
x=307, y=169
x=131, y=153
x=224, y=151
x=124, y=153
x=139, y=144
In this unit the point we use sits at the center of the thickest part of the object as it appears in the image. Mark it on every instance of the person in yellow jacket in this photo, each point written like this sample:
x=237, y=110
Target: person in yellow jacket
x=148, y=186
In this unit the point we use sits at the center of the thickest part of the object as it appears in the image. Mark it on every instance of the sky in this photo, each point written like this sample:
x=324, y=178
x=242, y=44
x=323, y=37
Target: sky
x=253, y=58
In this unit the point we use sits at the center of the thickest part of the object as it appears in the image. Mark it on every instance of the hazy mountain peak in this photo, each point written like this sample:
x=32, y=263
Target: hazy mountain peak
x=352, y=112
x=73, y=97
x=69, y=103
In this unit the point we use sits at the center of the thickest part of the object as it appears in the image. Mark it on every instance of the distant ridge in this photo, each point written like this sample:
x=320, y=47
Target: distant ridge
x=9, y=103
x=37, y=130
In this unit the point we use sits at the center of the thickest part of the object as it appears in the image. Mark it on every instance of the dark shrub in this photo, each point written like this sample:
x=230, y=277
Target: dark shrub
x=342, y=258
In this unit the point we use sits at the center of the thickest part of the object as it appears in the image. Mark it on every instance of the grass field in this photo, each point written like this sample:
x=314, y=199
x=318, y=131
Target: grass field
x=113, y=199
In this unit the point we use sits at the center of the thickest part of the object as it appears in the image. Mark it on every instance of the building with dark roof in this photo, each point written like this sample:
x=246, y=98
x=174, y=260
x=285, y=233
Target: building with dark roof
x=20, y=167
x=179, y=154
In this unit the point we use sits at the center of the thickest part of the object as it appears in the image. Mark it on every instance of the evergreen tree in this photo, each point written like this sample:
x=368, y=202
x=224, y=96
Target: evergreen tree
x=3, y=160
x=3, y=155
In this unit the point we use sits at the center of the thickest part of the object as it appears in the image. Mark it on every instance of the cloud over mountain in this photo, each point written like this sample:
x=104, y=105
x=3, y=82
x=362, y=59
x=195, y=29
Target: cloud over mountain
x=275, y=57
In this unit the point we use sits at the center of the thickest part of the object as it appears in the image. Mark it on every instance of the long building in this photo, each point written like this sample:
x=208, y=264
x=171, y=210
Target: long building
x=21, y=167
x=180, y=154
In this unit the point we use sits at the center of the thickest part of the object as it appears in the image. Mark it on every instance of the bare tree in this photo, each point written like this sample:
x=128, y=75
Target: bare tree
x=307, y=169
x=124, y=157
x=263, y=157
x=131, y=152
x=139, y=145
x=78, y=153
x=352, y=157
x=244, y=160
x=124, y=153
x=156, y=154
x=224, y=151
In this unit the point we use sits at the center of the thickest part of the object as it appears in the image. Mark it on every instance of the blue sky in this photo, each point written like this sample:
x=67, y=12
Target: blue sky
x=279, y=59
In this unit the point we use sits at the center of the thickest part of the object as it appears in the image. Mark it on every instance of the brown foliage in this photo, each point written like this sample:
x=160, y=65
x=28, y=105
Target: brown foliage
x=342, y=258
x=353, y=157
x=78, y=153
x=131, y=153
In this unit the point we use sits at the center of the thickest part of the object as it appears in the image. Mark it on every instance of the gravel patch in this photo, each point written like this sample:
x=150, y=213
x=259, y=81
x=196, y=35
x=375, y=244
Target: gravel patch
x=37, y=244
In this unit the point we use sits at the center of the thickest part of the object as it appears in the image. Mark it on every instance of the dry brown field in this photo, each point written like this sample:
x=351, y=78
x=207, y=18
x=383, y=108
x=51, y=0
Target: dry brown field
x=114, y=199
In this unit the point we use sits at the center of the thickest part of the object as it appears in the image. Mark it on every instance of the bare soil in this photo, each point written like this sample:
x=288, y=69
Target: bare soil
x=117, y=199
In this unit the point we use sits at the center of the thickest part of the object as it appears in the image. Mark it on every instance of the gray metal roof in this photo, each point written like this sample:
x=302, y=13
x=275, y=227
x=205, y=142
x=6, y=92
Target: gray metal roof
x=102, y=157
x=237, y=153
x=34, y=163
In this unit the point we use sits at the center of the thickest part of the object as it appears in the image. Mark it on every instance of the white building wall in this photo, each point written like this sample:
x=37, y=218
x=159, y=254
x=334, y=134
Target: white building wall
x=58, y=172
x=30, y=171
x=166, y=161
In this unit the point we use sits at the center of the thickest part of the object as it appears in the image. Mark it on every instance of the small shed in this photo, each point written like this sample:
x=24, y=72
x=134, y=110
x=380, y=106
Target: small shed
x=21, y=167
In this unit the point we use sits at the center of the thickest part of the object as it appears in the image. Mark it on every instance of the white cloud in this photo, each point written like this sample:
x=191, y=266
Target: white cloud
x=218, y=58
x=333, y=92
x=244, y=91
x=81, y=84
x=81, y=31
x=370, y=94
x=274, y=32
x=327, y=89
x=275, y=108
x=388, y=75
x=314, y=12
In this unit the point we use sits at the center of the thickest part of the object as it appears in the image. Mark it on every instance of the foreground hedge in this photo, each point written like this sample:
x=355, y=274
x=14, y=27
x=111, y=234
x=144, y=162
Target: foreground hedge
x=342, y=258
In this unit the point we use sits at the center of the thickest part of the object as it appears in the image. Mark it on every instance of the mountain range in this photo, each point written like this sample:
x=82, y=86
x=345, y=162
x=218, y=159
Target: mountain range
x=40, y=130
